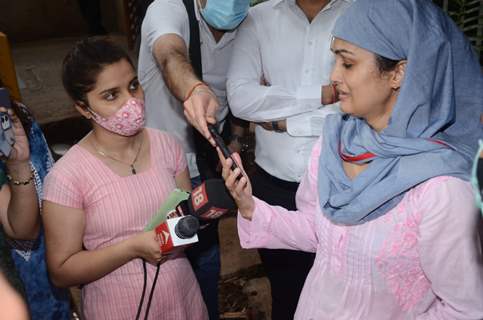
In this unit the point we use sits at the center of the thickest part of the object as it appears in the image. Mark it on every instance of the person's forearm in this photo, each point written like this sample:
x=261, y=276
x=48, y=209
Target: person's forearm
x=252, y=101
x=177, y=73
x=88, y=266
x=274, y=227
x=23, y=209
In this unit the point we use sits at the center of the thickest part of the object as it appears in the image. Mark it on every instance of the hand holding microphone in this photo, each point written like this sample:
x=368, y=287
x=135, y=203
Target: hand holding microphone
x=145, y=245
x=175, y=228
x=177, y=232
x=208, y=201
x=153, y=245
x=164, y=239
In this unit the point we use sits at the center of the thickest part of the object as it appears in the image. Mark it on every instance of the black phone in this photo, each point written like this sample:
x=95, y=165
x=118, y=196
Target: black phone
x=5, y=98
x=221, y=144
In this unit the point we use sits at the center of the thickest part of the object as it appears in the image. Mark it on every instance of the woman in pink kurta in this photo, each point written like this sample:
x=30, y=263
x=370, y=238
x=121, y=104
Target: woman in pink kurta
x=101, y=194
x=386, y=203
x=421, y=260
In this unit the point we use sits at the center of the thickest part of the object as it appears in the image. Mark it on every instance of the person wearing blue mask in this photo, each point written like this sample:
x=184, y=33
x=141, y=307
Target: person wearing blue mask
x=386, y=202
x=186, y=46
x=224, y=15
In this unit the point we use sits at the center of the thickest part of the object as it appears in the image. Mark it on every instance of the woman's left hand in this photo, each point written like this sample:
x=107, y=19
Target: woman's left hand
x=237, y=183
x=20, y=149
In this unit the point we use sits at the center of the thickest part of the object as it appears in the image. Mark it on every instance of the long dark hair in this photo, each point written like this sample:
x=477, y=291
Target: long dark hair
x=385, y=64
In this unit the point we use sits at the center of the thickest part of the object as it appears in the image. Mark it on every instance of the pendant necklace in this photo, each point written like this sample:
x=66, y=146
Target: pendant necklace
x=131, y=165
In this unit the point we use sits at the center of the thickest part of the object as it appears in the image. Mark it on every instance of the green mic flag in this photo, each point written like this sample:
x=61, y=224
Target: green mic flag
x=170, y=204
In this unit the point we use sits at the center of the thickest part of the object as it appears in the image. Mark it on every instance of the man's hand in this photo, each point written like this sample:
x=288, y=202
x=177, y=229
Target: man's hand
x=329, y=94
x=200, y=103
x=200, y=108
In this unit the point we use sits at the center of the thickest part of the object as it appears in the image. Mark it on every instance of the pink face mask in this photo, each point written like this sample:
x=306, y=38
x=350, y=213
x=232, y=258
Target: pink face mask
x=127, y=121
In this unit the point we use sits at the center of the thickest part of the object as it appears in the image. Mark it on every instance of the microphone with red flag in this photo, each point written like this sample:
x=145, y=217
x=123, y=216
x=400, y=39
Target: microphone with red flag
x=176, y=232
x=208, y=201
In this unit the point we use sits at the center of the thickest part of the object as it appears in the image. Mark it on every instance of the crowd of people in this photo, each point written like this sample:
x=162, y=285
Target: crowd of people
x=366, y=194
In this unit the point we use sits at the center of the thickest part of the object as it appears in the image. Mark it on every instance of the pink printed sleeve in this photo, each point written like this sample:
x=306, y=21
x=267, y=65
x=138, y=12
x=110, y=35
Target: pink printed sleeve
x=61, y=188
x=275, y=227
x=450, y=250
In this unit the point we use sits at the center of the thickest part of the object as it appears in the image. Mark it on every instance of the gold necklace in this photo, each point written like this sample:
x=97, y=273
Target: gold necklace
x=131, y=165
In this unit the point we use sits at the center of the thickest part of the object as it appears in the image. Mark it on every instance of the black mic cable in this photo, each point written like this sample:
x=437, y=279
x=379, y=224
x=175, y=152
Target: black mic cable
x=138, y=313
x=151, y=293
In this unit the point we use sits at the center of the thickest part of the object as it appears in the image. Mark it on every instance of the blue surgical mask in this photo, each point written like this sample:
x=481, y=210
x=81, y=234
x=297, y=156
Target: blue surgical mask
x=477, y=177
x=225, y=14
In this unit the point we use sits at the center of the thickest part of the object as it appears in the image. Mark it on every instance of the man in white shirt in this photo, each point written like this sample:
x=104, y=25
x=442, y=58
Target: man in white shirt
x=170, y=81
x=279, y=77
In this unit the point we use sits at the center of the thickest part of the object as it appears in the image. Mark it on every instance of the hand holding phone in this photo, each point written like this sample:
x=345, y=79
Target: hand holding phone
x=7, y=136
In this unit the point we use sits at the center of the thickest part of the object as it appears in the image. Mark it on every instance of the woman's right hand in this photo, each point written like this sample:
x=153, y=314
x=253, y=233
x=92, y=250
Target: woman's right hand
x=240, y=189
x=20, y=150
x=147, y=247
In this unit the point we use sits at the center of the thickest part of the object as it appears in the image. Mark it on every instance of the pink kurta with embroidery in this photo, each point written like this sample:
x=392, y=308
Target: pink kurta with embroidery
x=422, y=260
x=115, y=209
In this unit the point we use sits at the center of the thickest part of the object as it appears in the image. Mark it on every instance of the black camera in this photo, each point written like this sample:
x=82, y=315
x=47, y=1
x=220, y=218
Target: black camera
x=7, y=137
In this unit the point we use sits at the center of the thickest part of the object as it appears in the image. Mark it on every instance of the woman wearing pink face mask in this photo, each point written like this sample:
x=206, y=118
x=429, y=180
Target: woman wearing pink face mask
x=101, y=194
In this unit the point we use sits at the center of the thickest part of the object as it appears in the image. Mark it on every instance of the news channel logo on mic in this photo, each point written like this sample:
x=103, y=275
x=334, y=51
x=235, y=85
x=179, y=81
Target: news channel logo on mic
x=7, y=137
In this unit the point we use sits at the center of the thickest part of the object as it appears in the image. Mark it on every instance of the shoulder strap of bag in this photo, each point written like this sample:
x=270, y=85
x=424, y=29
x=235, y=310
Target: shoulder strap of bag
x=194, y=45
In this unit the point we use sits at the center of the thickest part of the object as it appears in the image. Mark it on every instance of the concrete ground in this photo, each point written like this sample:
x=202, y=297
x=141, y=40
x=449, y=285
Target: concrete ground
x=245, y=292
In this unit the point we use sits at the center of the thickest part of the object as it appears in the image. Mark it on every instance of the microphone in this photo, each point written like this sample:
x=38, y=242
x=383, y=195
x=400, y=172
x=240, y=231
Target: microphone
x=176, y=232
x=208, y=201
x=178, y=226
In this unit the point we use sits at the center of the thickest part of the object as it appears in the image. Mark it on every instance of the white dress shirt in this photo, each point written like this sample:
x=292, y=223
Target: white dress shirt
x=163, y=110
x=278, y=44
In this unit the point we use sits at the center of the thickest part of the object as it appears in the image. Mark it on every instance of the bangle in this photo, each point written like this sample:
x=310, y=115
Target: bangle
x=334, y=94
x=21, y=182
x=190, y=93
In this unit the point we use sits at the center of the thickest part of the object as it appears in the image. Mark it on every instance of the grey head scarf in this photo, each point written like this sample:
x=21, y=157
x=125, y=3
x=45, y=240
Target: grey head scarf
x=434, y=126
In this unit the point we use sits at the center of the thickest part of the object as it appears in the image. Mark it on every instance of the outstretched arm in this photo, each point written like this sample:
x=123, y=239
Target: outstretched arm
x=263, y=226
x=165, y=32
